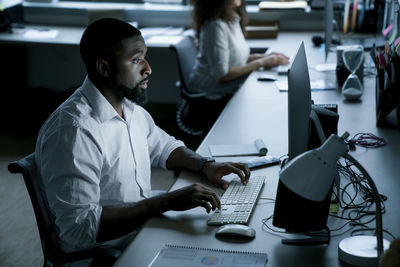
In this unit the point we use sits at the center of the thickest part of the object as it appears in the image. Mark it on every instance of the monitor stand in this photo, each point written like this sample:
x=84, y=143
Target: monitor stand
x=315, y=238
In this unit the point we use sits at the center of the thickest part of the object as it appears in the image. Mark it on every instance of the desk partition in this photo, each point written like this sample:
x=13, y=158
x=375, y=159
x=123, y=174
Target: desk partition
x=259, y=110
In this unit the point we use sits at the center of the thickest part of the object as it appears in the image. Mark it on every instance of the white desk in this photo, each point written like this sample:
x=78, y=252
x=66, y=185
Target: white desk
x=67, y=35
x=260, y=110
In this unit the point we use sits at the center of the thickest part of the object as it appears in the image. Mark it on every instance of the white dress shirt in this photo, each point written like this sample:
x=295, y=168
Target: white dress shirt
x=221, y=45
x=89, y=157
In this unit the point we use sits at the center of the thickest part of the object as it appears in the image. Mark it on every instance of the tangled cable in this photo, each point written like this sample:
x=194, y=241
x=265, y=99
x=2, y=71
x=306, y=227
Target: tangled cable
x=356, y=201
x=366, y=140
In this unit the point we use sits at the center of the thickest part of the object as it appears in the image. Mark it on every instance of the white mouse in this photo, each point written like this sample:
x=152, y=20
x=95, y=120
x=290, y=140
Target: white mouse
x=238, y=230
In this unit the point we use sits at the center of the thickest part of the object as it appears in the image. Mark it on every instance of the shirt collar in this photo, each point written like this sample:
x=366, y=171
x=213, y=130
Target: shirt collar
x=128, y=108
x=99, y=103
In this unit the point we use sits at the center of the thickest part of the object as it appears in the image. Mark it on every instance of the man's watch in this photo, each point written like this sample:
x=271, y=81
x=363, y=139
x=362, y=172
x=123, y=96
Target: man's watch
x=203, y=162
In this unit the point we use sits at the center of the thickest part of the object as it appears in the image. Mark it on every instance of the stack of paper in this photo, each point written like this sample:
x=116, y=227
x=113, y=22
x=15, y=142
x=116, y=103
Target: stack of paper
x=316, y=85
x=299, y=4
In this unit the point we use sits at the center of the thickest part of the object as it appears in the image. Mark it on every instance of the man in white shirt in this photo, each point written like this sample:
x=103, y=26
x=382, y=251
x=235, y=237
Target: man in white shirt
x=94, y=154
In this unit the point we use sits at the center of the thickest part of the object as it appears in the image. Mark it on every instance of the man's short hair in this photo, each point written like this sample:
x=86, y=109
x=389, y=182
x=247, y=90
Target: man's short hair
x=101, y=37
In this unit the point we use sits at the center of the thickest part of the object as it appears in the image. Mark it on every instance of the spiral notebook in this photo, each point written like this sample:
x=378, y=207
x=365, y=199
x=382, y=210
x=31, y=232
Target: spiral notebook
x=183, y=256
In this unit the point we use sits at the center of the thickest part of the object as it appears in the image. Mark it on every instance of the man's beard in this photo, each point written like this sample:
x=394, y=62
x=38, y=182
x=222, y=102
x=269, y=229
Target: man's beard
x=136, y=94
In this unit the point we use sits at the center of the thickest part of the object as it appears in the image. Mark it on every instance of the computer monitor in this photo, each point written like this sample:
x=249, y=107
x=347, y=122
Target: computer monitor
x=299, y=104
x=308, y=124
x=305, y=131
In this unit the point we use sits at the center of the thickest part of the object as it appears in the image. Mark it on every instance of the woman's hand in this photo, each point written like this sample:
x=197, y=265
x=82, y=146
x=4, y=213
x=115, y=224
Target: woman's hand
x=273, y=59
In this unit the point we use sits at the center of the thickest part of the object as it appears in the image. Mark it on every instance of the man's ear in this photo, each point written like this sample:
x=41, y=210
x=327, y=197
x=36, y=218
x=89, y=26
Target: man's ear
x=103, y=67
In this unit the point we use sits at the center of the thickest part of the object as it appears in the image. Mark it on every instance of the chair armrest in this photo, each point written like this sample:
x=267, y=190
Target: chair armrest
x=190, y=95
x=15, y=167
x=22, y=165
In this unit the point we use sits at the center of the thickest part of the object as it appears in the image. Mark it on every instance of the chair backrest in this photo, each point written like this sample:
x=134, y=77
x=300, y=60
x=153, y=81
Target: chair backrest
x=186, y=55
x=27, y=167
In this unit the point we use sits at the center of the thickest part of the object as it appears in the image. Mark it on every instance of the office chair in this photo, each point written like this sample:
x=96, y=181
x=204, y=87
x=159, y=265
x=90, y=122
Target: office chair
x=197, y=111
x=53, y=255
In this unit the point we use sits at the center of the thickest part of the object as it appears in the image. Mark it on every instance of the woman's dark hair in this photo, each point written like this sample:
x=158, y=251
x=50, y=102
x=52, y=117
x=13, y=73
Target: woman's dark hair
x=205, y=10
x=101, y=38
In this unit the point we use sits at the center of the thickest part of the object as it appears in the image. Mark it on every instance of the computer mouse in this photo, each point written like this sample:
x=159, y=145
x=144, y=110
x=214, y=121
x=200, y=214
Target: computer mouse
x=266, y=78
x=283, y=69
x=236, y=230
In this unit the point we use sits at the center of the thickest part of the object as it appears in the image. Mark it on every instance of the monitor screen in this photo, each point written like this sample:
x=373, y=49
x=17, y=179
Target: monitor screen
x=292, y=212
x=299, y=104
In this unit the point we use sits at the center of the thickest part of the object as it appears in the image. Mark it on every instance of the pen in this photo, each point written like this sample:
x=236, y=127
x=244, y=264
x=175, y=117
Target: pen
x=388, y=29
x=354, y=18
x=381, y=59
x=346, y=17
x=385, y=17
x=387, y=49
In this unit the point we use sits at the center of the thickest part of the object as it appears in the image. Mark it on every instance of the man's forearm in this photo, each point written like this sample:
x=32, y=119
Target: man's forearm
x=117, y=221
x=183, y=158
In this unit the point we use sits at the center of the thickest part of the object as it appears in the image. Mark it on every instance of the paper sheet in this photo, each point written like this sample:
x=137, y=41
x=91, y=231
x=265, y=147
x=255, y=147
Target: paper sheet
x=41, y=34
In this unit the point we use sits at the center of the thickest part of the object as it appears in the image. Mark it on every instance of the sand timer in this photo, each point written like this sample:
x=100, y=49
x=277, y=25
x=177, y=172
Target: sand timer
x=352, y=88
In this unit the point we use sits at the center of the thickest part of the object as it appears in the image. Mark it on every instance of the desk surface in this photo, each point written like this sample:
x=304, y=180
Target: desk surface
x=67, y=35
x=258, y=109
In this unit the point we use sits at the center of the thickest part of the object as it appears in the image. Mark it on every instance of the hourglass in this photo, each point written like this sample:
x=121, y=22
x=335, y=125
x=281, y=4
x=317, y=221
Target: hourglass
x=352, y=88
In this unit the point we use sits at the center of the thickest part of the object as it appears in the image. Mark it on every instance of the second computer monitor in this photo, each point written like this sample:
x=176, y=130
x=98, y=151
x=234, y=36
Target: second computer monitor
x=293, y=212
x=299, y=104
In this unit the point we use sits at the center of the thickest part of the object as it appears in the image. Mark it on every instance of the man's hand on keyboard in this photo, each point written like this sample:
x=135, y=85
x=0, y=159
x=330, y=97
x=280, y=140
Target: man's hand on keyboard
x=192, y=196
x=216, y=170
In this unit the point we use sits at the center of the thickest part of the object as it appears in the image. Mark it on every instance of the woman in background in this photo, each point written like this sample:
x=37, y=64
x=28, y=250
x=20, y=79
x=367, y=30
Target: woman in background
x=224, y=59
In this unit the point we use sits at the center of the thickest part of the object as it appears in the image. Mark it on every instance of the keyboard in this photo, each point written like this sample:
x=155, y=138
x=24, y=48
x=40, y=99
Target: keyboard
x=238, y=202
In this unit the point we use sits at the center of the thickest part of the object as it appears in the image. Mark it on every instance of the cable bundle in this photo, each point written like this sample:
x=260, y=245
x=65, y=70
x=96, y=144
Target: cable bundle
x=369, y=140
x=356, y=200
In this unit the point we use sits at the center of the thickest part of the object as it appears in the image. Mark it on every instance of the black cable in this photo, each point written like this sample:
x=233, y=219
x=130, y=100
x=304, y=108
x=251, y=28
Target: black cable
x=356, y=200
x=265, y=220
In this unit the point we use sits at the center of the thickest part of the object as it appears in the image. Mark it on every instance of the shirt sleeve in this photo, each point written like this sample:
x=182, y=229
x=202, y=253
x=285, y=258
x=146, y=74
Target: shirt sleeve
x=217, y=48
x=70, y=167
x=160, y=143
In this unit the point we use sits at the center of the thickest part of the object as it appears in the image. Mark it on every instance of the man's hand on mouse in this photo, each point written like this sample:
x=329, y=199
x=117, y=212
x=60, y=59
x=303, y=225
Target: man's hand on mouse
x=216, y=170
